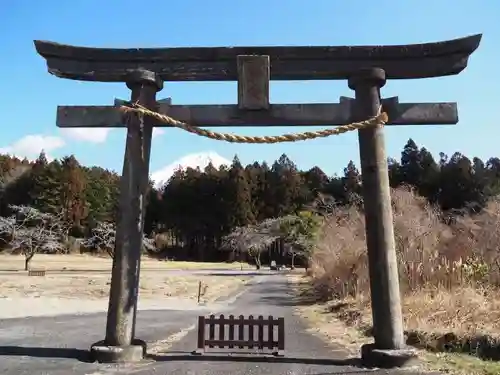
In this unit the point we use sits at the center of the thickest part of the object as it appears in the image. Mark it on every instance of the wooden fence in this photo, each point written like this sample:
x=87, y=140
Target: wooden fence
x=266, y=336
x=36, y=272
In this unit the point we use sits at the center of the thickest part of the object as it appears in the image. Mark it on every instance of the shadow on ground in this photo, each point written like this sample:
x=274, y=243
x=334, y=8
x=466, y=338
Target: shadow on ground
x=284, y=295
x=38, y=352
x=173, y=356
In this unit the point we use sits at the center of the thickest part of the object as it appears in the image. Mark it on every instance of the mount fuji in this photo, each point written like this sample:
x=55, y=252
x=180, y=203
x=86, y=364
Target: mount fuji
x=201, y=160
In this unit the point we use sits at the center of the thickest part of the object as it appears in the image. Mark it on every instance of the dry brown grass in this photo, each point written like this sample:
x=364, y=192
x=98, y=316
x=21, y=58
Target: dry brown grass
x=91, y=286
x=88, y=277
x=61, y=262
x=345, y=322
x=449, y=274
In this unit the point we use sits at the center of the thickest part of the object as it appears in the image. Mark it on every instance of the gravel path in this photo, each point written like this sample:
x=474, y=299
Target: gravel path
x=58, y=345
x=304, y=354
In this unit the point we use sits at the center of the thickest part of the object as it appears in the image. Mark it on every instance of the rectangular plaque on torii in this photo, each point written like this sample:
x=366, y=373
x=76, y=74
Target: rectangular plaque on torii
x=366, y=68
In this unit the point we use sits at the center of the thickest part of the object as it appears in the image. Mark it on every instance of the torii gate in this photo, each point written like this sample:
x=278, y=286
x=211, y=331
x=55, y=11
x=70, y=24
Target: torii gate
x=366, y=69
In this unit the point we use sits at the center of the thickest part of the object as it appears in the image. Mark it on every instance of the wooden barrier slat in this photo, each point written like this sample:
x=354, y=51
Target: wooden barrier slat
x=270, y=332
x=266, y=337
x=222, y=334
x=241, y=331
x=36, y=272
x=241, y=320
x=250, y=326
x=260, y=331
x=236, y=342
x=231, y=331
x=201, y=333
x=281, y=334
x=211, y=329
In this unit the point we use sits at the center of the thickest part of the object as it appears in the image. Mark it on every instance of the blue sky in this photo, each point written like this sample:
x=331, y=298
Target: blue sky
x=29, y=95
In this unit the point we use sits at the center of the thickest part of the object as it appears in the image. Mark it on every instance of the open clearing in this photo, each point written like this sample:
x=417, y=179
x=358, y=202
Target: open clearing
x=78, y=283
x=88, y=262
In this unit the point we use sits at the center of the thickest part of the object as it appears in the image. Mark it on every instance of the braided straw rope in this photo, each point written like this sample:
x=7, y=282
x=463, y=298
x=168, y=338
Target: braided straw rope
x=378, y=120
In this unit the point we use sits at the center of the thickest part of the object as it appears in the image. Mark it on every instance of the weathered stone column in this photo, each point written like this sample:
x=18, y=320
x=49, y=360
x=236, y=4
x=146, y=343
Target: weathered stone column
x=120, y=344
x=384, y=280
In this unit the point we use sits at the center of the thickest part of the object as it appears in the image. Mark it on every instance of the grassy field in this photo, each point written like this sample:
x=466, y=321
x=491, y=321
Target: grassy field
x=88, y=262
x=88, y=277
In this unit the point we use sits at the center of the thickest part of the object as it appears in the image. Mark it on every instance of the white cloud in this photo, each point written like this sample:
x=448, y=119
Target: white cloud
x=202, y=159
x=93, y=135
x=31, y=145
x=157, y=132
x=96, y=135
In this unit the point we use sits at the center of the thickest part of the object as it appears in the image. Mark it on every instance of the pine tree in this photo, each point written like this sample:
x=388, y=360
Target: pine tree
x=239, y=196
x=73, y=184
x=287, y=186
x=46, y=185
x=351, y=183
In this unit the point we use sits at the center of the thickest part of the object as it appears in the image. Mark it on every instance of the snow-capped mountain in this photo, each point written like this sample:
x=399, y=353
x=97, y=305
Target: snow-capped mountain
x=202, y=159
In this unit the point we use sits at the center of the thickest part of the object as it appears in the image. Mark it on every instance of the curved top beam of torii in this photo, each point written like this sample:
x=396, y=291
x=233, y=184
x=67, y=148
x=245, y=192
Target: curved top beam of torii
x=287, y=63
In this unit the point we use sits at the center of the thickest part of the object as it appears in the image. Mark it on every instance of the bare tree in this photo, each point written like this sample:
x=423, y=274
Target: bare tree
x=253, y=239
x=103, y=237
x=297, y=231
x=32, y=231
x=323, y=205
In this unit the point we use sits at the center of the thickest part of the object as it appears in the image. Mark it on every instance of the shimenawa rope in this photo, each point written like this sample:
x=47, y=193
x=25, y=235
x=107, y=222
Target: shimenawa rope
x=379, y=120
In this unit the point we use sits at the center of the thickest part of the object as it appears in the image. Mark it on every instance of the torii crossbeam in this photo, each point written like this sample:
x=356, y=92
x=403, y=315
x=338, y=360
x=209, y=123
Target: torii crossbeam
x=366, y=69
x=277, y=115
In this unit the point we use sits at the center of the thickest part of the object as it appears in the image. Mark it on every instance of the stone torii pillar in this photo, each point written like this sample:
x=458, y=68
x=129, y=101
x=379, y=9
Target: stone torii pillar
x=366, y=69
x=120, y=326
x=389, y=347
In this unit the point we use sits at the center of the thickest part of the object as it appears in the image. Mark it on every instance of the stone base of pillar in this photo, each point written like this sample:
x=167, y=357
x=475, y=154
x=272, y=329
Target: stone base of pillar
x=388, y=358
x=103, y=353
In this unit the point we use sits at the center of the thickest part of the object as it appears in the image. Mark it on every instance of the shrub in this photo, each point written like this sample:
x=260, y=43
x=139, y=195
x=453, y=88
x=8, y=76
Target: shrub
x=429, y=252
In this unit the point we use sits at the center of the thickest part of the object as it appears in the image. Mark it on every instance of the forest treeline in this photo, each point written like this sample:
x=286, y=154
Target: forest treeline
x=197, y=208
